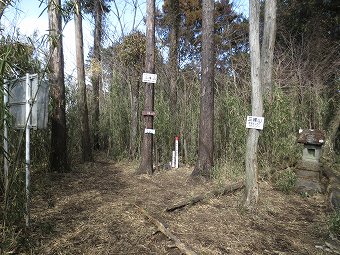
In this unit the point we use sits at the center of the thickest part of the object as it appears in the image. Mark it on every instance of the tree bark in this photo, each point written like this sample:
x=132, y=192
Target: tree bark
x=174, y=23
x=146, y=165
x=205, y=162
x=252, y=190
x=85, y=130
x=134, y=118
x=332, y=134
x=58, y=155
x=96, y=71
x=267, y=51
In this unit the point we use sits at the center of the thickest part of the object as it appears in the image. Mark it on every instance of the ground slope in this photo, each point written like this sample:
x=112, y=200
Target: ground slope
x=92, y=210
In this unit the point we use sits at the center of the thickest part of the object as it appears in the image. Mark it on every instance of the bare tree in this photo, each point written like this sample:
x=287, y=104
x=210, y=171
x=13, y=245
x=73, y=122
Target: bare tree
x=119, y=12
x=205, y=159
x=146, y=166
x=267, y=50
x=85, y=130
x=261, y=74
x=58, y=156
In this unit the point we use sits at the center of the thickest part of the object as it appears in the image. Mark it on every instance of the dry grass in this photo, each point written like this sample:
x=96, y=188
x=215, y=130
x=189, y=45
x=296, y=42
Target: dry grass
x=91, y=211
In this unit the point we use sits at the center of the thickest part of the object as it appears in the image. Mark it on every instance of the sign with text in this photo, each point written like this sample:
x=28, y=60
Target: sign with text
x=150, y=131
x=255, y=122
x=149, y=77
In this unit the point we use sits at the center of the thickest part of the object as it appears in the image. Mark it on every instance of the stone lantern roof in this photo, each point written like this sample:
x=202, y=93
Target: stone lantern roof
x=311, y=137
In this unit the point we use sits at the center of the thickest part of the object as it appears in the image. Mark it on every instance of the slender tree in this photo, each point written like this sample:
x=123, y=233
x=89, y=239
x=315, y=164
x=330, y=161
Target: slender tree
x=267, y=50
x=146, y=166
x=129, y=58
x=173, y=57
x=252, y=190
x=85, y=130
x=205, y=159
x=96, y=70
x=58, y=155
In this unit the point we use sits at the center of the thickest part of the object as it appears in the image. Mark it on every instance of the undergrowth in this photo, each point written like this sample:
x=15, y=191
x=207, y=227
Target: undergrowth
x=334, y=224
x=285, y=181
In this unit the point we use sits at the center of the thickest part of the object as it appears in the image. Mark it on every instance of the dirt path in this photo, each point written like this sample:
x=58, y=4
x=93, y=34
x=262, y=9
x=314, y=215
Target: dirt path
x=91, y=211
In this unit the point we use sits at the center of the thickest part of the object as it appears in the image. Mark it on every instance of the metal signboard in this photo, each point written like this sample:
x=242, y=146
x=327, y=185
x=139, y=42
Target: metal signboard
x=39, y=97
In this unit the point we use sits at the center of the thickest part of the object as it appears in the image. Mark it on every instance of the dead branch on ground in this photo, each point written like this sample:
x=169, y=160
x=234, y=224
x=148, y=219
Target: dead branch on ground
x=161, y=227
x=217, y=192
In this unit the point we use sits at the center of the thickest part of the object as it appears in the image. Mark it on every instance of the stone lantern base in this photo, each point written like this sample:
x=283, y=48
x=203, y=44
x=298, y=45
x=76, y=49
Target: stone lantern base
x=308, y=177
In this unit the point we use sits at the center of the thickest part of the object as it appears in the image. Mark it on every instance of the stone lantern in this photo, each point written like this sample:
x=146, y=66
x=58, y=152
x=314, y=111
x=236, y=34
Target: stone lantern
x=308, y=169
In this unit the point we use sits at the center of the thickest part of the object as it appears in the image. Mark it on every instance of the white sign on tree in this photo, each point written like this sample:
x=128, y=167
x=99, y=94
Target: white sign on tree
x=255, y=122
x=149, y=77
x=150, y=131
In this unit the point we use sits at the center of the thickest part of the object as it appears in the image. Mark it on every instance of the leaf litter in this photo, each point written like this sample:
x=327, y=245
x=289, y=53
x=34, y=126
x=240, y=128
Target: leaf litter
x=92, y=211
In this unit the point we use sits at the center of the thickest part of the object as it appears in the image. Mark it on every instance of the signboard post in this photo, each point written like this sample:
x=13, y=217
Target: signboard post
x=27, y=154
x=27, y=100
x=5, y=139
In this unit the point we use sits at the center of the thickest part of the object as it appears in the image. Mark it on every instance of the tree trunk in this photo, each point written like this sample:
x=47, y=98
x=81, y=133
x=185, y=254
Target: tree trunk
x=3, y=5
x=205, y=162
x=267, y=51
x=96, y=72
x=252, y=190
x=146, y=166
x=85, y=130
x=134, y=118
x=332, y=132
x=58, y=156
x=334, y=127
x=174, y=23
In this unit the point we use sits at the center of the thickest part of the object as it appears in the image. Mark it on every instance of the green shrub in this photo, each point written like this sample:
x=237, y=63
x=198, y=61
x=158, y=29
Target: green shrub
x=285, y=181
x=334, y=224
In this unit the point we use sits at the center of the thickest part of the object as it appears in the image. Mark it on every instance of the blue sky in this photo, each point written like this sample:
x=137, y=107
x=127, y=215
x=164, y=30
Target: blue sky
x=30, y=15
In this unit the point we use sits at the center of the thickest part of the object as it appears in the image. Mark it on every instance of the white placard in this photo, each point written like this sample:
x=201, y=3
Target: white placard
x=150, y=131
x=176, y=152
x=255, y=122
x=173, y=161
x=149, y=77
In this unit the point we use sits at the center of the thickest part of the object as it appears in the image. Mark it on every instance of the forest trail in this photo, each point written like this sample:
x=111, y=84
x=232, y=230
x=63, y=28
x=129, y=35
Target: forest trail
x=92, y=210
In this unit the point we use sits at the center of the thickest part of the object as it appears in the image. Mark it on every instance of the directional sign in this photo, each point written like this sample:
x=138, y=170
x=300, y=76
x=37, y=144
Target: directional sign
x=150, y=131
x=255, y=122
x=149, y=77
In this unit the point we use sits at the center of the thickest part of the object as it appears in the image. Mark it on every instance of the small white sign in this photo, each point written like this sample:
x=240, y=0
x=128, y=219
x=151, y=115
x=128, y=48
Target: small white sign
x=150, y=131
x=149, y=77
x=255, y=122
